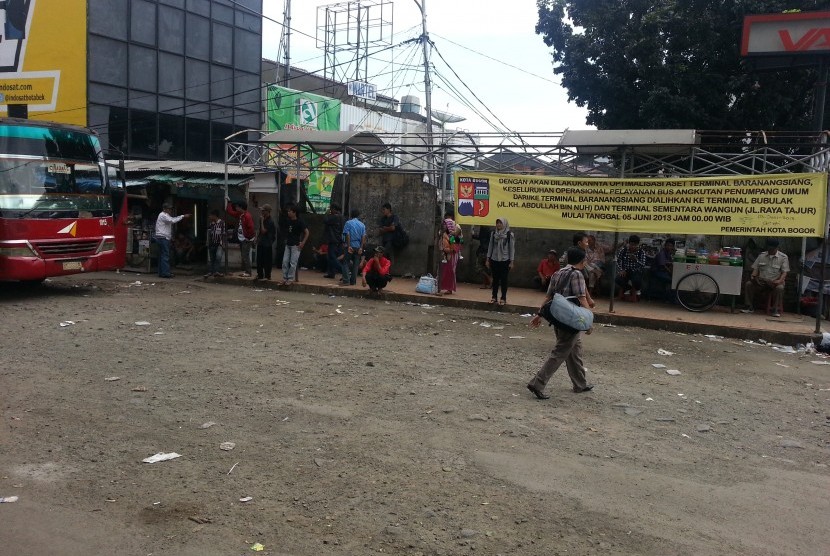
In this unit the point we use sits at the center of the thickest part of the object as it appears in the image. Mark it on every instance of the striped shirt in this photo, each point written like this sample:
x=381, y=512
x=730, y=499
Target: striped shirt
x=216, y=233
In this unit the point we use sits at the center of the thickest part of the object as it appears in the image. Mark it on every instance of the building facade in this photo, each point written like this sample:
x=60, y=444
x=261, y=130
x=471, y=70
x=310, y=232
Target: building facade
x=157, y=79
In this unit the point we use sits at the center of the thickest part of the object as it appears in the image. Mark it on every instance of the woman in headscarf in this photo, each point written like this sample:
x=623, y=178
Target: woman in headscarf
x=500, y=255
x=449, y=258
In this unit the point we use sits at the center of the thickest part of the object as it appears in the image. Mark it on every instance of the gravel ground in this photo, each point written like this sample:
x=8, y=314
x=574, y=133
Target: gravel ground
x=363, y=426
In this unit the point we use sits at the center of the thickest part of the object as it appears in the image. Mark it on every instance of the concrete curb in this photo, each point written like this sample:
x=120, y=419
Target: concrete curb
x=777, y=337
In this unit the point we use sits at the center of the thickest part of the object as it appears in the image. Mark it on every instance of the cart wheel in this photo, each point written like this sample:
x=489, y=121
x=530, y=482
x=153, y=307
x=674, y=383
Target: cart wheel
x=697, y=291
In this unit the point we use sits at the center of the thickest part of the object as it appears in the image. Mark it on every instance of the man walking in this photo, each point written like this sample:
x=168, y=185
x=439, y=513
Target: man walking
x=568, y=281
x=354, y=240
x=163, y=236
x=245, y=233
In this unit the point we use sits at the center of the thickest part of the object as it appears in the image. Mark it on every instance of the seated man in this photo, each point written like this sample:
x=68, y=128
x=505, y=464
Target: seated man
x=769, y=271
x=631, y=264
x=376, y=271
x=661, y=270
x=547, y=267
x=321, y=256
x=183, y=248
x=595, y=262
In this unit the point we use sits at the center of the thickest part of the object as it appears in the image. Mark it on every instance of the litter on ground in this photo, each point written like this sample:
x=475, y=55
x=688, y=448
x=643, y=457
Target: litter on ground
x=161, y=456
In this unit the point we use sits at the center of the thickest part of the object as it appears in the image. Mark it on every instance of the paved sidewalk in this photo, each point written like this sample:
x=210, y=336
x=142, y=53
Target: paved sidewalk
x=789, y=329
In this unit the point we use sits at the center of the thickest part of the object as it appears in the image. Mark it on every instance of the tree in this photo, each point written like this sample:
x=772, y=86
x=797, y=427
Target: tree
x=672, y=64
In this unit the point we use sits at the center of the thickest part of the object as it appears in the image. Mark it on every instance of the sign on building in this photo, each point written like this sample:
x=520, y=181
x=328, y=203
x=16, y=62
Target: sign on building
x=786, y=34
x=43, y=58
x=360, y=89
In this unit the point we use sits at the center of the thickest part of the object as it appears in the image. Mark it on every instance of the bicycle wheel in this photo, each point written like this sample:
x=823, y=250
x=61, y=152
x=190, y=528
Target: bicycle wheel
x=697, y=291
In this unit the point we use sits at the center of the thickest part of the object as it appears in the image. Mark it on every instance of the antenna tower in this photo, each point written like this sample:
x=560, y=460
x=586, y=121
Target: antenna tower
x=346, y=30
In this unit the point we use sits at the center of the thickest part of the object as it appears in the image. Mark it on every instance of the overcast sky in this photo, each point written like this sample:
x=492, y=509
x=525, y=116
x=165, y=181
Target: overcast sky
x=500, y=58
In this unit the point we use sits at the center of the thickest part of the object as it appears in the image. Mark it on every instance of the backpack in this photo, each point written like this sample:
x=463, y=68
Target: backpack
x=401, y=238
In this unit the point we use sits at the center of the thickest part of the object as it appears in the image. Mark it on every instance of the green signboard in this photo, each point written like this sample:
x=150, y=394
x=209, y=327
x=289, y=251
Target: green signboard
x=290, y=109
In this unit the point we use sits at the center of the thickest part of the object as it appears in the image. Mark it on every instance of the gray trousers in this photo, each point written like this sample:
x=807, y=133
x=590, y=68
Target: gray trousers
x=568, y=350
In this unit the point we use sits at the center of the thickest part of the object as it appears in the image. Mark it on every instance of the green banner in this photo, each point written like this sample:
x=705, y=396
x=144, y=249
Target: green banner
x=290, y=109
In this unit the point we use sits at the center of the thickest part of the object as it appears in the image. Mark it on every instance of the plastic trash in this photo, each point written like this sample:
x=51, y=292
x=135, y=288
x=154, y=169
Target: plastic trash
x=161, y=456
x=227, y=446
x=246, y=499
x=258, y=547
x=112, y=378
x=8, y=499
x=658, y=365
x=662, y=351
x=142, y=323
x=207, y=424
x=672, y=372
x=67, y=323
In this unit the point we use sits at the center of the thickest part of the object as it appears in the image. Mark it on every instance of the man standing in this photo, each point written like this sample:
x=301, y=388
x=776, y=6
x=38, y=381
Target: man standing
x=569, y=281
x=163, y=235
x=769, y=272
x=547, y=268
x=245, y=233
x=265, y=244
x=296, y=235
x=631, y=263
x=333, y=237
x=217, y=242
x=661, y=269
x=354, y=240
x=390, y=226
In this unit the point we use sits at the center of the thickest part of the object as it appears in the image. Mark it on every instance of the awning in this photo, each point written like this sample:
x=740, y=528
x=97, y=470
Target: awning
x=327, y=141
x=640, y=141
x=190, y=179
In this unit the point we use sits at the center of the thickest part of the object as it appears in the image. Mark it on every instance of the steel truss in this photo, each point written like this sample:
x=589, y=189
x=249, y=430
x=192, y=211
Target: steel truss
x=716, y=154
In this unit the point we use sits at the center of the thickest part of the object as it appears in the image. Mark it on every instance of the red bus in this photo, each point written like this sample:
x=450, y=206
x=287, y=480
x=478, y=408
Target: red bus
x=56, y=214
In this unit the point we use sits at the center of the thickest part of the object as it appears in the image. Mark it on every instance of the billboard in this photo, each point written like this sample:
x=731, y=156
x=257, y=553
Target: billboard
x=43, y=58
x=290, y=109
x=786, y=34
x=783, y=205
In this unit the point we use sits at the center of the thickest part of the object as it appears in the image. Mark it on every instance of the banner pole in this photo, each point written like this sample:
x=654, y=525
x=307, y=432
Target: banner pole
x=614, y=247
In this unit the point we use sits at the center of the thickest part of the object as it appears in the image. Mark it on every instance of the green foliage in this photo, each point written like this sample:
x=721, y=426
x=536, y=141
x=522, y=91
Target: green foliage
x=674, y=64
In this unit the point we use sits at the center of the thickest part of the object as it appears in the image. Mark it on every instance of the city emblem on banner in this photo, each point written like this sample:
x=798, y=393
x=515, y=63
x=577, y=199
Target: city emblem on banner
x=473, y=196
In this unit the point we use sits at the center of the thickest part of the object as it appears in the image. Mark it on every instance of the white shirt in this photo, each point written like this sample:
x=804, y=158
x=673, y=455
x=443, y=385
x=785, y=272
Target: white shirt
x=164, y=225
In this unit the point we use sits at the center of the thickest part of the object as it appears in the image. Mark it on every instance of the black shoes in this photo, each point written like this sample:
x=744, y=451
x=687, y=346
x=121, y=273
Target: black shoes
x=587, y=388
x=538, y=393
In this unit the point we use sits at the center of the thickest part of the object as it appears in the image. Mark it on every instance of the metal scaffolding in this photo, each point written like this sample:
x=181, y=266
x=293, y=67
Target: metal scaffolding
x=710, y=153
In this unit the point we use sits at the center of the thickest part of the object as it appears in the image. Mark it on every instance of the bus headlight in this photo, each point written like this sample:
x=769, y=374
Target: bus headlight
x=17, y=249
x=107, y=244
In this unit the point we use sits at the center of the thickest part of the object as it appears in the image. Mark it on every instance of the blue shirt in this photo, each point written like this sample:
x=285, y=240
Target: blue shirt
x=355, y=230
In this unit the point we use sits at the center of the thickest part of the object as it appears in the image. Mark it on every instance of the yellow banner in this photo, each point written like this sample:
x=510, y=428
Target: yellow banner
x=43, y=59
x=776, y=205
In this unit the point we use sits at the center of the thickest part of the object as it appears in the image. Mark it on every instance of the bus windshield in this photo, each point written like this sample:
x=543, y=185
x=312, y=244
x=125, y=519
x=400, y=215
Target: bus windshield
x=51, y=173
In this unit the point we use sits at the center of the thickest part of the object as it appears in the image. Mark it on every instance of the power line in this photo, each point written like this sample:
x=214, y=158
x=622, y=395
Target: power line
x=517, y=68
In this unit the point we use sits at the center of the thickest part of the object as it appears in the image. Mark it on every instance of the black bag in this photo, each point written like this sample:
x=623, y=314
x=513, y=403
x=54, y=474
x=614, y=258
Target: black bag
x=400, y=239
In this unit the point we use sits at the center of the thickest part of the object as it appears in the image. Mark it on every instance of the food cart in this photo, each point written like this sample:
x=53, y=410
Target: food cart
x=699, y=285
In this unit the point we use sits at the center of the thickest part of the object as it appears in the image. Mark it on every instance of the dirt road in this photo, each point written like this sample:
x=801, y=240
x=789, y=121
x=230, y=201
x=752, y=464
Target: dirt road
x=362, y=426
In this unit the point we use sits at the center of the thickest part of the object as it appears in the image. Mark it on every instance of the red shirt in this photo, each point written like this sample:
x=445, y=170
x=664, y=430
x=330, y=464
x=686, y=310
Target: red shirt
x=381, y=266
x=547, y=267
x=246, y=220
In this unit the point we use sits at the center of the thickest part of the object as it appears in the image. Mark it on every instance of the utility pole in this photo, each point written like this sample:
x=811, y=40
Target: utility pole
x=286, y=43
x=428, y=89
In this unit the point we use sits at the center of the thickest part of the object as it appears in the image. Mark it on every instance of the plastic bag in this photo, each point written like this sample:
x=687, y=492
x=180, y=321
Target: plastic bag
x=427, y=284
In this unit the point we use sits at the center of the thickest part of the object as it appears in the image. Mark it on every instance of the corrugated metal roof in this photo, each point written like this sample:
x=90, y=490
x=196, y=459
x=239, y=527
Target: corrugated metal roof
x=327, y=141
x=184, y=166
